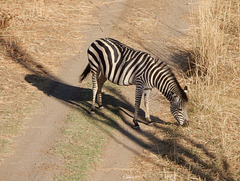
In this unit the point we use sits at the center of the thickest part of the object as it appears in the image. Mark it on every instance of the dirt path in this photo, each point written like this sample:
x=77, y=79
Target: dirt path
x=129, y=144
x=32, y=159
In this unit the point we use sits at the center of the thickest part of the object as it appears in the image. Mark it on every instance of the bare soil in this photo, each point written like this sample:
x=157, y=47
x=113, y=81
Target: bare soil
x=32, y=158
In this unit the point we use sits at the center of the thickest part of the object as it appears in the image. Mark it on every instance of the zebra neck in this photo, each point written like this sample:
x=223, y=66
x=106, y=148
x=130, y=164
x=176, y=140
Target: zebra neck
x=164, y=80
x=170, y=89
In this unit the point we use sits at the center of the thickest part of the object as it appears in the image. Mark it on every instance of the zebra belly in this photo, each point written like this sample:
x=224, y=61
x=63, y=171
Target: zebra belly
x=122, y=80
x=123, y=83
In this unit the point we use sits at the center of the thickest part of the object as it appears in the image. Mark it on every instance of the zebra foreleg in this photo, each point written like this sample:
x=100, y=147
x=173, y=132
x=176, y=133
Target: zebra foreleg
x=138, y=97
x=147, y=92
x=101, y=80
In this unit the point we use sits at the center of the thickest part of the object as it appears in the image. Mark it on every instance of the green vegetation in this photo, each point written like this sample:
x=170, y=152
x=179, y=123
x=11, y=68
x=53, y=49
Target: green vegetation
x=84, y=137
x=81, y=146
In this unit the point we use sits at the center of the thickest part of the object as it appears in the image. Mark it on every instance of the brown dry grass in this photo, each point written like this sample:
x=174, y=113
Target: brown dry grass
x=35, y=37
x=216, y=86
x=209, y=148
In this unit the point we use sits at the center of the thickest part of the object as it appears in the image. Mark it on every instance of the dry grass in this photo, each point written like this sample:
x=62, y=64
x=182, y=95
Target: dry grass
x=209, y=148
x=216, y=86
x=35, y=37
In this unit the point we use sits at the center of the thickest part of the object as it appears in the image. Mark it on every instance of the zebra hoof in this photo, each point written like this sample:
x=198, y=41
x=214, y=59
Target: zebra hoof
x=101, y=107
x=150, y=123
x=137, y=127
x=92, y=112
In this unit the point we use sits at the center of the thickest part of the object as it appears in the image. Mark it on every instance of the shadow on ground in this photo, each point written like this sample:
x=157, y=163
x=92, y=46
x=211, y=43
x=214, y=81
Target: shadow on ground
x=80, y=99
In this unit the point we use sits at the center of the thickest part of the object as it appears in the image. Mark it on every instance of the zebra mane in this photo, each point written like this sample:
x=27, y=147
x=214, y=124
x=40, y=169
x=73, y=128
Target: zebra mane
x=120, y=44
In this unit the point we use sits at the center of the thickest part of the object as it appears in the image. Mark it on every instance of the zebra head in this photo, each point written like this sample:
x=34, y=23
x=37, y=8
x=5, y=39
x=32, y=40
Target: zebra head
x=179, y=108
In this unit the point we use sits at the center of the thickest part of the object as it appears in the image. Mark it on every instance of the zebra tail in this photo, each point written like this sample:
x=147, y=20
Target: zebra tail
x=85, y=73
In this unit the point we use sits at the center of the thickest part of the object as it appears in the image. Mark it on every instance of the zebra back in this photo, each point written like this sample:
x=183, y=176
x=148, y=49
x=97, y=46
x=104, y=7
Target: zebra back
x=119, y=63
x=124, y=65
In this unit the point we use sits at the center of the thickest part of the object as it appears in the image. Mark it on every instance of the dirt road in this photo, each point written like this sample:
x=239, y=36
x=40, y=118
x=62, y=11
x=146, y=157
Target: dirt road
x=31, y=159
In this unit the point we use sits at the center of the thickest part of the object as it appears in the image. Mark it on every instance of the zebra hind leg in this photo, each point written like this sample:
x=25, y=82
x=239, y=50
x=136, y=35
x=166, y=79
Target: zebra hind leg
x=101, y=80
x=94, y=88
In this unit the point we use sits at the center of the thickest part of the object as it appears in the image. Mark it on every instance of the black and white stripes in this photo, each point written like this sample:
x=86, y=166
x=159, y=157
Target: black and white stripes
x=111, y=60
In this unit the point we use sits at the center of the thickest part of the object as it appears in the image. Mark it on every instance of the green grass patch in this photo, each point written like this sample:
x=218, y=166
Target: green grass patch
x=84, y=137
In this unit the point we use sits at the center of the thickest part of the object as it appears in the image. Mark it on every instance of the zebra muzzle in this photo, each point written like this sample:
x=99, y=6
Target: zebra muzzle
x=185, y=123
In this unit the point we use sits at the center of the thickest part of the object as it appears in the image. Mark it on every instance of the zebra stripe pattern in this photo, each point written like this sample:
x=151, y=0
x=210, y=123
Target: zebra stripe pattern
x=111, y=60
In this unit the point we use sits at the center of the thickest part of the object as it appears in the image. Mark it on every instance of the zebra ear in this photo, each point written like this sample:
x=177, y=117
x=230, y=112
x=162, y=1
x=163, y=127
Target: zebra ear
x=185, y=89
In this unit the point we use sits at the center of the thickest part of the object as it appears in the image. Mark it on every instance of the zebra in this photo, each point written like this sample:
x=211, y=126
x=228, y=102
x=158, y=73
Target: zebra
x=112, y=60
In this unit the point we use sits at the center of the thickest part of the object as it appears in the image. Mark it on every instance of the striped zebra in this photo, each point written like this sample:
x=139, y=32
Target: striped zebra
x=111, y=60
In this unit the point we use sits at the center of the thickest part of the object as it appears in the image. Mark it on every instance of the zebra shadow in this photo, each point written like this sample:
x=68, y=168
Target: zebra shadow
x=73, y=96
x=168, y=148
x=78, y=98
